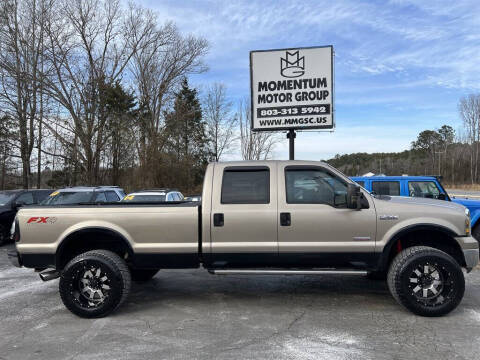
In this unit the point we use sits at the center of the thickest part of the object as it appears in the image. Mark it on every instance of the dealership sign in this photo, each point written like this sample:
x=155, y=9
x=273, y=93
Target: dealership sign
x=292, y=88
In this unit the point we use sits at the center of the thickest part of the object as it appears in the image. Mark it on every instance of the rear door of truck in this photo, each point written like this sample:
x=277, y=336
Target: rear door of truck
x=243, y=216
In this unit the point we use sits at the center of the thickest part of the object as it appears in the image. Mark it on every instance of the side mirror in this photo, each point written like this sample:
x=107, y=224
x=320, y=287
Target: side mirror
x=340, y=199
x=442, y=196
x=354, y=197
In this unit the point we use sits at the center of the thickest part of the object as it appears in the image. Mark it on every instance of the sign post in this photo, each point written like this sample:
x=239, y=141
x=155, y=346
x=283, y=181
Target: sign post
x=291, y=144
x=292, y=89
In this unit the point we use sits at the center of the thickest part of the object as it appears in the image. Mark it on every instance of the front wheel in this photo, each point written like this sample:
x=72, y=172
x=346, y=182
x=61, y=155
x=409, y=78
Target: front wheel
x=426, y=281
x=95, y=283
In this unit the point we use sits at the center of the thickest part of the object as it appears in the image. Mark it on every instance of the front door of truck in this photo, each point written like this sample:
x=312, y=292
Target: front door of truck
x=315, y=227
x=243, y=216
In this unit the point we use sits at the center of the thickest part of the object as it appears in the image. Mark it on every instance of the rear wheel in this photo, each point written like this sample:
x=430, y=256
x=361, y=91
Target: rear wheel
x=141, y=275
x=426, y=281
x=95, y=283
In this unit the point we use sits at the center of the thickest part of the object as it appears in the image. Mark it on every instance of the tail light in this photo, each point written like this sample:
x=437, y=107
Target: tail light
x=15, y=231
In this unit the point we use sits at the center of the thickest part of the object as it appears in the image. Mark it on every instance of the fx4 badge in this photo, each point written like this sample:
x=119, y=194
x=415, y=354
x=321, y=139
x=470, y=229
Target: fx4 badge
x=41, y=220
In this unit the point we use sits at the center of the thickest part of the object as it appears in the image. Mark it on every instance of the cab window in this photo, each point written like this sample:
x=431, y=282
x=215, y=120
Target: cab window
x=315, y=186
x=361, y=183
x=246, y=186
x=391, y=188
x=425, y=189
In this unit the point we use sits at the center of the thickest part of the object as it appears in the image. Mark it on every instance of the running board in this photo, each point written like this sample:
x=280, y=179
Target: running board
x=286, y=272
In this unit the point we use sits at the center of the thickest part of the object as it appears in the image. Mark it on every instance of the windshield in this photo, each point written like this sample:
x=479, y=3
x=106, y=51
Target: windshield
x=5, y=198
x=68, y=197
x=144, y=198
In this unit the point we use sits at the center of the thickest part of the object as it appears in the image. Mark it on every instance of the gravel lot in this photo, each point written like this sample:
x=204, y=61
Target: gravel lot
x=194, y=315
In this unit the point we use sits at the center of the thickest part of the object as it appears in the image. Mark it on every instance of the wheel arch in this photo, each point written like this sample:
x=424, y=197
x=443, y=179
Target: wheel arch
x=91, y=238
x=435, y=236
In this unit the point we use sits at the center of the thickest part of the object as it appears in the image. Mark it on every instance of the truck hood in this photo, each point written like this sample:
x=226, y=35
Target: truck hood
x=439, y=204
x=469, y=203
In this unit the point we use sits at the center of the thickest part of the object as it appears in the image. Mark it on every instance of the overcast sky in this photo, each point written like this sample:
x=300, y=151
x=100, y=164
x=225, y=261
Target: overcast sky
x=400, y=66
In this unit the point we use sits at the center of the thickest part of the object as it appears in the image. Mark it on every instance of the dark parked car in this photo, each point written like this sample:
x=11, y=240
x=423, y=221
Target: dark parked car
x=85, y=194
x=10, y=201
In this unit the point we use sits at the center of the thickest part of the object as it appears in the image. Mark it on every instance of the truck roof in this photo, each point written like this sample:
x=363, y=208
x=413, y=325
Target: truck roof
x=265, y=162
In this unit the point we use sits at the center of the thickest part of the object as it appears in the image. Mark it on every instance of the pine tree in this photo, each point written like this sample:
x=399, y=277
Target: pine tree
x=187, y=143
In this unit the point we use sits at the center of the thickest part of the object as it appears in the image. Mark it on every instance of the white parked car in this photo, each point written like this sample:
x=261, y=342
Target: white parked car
x=154, y=195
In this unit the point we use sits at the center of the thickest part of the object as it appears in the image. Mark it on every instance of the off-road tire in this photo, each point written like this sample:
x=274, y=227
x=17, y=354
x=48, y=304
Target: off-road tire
x=403, y=280
x=142, y=275
x=111, y=266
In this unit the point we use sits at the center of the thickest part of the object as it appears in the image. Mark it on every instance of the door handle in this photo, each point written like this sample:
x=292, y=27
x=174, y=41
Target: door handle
x=285, y=219
x=218, y=220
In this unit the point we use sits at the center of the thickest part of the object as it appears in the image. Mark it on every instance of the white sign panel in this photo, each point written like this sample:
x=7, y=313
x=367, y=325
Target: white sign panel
x=292, y=88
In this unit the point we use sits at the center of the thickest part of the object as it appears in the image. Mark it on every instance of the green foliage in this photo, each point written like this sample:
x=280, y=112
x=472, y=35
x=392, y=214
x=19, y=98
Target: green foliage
x=433, y=152
x=186, y=142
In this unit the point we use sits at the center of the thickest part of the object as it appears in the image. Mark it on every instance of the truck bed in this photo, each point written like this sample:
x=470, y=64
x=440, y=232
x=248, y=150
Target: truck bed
x=153, y=230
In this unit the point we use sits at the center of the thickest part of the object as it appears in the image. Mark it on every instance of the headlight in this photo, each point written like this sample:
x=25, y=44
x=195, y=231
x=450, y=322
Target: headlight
x=467, y=222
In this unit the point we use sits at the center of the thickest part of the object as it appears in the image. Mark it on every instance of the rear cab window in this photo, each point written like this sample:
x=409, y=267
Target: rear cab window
x=246, y=186
x=391, y=188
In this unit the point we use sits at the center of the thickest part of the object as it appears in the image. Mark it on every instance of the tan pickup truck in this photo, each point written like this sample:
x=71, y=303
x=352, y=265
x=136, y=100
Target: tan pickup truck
x=262, y=217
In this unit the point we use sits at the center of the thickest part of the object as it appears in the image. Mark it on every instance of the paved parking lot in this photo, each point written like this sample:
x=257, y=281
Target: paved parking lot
x=194, y=315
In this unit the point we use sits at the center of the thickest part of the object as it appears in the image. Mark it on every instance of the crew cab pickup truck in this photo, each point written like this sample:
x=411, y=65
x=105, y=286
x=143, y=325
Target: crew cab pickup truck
x=419, y=186
x=259, y=217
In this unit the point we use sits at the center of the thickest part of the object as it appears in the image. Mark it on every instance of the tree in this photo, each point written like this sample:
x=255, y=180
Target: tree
x=447, y=136
x=6, y=134
x=220, y=122
x=185, y=137
x=428, y=141
x=469, y=109
x=158, y=69
x=90, y=44
x=120, y=113
x=21, y=53
x=253, y=145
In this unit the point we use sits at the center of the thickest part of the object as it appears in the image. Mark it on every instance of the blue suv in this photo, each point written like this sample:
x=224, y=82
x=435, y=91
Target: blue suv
x=418, y=186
